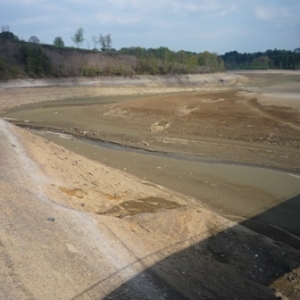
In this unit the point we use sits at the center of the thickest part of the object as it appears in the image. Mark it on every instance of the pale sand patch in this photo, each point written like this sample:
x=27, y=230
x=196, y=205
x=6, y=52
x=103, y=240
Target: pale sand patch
x=212, y=101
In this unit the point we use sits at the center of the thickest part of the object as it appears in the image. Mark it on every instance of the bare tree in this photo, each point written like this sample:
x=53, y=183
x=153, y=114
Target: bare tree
x=77, y=38
x=105, y=42
x=5, y=28
x=34, y=39
x=102, y=42
x=95, y=41
x=108, y=42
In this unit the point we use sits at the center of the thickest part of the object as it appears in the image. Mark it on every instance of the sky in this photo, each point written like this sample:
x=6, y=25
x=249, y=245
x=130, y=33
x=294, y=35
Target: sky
x=217, y=26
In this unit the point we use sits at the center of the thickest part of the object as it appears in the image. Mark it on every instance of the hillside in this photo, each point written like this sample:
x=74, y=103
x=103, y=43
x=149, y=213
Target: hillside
x=23, y=60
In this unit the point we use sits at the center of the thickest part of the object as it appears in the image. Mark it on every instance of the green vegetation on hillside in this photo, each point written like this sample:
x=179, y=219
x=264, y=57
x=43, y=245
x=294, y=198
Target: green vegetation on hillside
x=37, y=63
x=7, y=35
x=20, y=59
x=164, y=61
x=270, y=59
x=38, y=60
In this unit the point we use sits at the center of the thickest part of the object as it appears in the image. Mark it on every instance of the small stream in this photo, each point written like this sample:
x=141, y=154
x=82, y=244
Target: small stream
x=57, y=137
x=239, y=192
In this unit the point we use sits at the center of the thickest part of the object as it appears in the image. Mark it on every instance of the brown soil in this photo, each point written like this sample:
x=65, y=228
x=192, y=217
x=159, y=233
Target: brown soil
x=253, y=124
x=125, y=237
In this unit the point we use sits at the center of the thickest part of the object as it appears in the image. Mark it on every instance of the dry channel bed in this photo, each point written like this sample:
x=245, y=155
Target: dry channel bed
x=75, y=228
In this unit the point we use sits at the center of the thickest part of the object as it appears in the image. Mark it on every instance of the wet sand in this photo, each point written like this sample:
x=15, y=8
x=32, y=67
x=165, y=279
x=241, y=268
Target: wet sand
x=235, y=191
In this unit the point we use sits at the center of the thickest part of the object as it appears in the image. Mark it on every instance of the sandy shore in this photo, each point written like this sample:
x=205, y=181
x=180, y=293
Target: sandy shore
x=85, y=230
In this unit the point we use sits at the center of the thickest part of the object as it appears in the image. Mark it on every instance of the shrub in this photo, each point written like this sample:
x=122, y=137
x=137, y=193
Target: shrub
x=14, y=72
x=37, y=63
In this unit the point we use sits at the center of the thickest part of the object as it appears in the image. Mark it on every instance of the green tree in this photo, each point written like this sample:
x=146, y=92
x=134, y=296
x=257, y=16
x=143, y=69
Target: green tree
x=274, y=59
x=181, y=56
x=7, y=35
x=165, y=54
x=211, y=61
x=58, y=42
x=77, y=38
x=37, y=63
x=297, y=50
x=191, y=63
x=261, y=62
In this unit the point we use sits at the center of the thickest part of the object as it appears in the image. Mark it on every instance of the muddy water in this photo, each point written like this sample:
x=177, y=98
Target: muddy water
x=237, y=192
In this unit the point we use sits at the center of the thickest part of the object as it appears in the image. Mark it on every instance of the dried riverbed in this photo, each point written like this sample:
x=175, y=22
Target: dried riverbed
x=232, y=149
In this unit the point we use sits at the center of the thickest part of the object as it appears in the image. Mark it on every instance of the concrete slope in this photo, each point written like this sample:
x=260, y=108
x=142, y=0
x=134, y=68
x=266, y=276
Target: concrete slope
x=49, y=251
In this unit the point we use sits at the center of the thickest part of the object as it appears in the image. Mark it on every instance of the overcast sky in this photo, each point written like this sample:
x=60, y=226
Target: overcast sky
x=193, y=25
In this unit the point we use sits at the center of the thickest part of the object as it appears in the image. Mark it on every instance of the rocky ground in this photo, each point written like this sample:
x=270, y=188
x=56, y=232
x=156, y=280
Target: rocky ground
x=73, y=228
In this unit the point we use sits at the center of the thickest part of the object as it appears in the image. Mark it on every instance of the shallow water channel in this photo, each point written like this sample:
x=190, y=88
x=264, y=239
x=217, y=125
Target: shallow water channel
x=238, y=192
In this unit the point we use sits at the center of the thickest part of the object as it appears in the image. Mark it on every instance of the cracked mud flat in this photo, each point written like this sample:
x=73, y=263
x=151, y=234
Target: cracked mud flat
x=73, y=228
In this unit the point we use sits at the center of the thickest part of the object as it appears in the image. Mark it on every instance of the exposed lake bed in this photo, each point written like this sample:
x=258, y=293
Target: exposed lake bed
x=230, y=149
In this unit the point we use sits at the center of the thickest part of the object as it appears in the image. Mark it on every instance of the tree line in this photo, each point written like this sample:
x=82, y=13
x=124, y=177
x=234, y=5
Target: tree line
x=147, y=60
x=157, y=60
x=152, y=61
x=165, y=61
x=270, y=59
